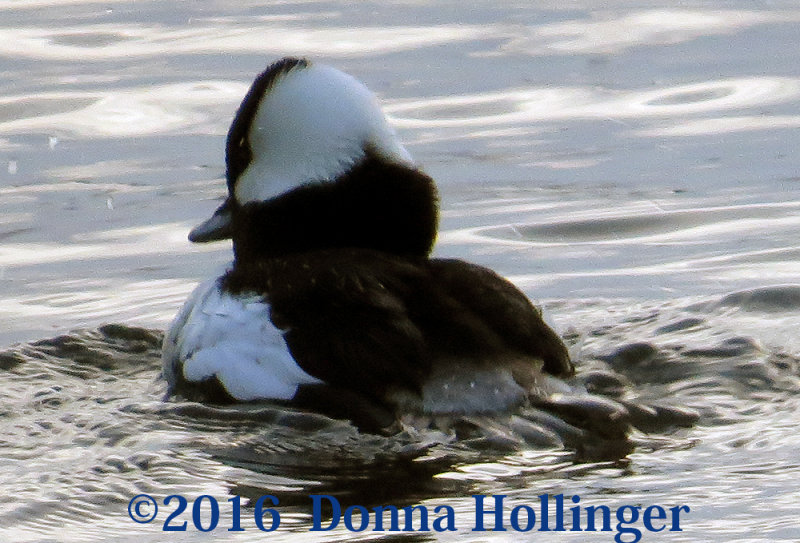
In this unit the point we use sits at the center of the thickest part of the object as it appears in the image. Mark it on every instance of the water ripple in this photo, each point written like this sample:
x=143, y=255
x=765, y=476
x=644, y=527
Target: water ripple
x=616, y=32
x=103, y=41
x=508, y=108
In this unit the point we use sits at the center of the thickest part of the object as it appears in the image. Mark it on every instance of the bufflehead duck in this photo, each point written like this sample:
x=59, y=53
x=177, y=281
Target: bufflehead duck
x=333, y=302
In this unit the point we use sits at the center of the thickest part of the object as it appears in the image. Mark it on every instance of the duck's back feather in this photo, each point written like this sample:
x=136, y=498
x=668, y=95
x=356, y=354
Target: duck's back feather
x=393, y=328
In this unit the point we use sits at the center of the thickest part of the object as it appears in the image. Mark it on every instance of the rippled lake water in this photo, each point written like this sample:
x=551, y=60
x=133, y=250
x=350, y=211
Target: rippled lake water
x=632, y=168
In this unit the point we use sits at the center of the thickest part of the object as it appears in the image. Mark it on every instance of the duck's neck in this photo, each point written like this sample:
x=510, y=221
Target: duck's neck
x=377, y=205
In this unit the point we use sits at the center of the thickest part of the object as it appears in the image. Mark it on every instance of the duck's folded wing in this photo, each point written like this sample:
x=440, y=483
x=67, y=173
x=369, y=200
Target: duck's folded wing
x=381, y=324
x=346, y=317
x=509, y=320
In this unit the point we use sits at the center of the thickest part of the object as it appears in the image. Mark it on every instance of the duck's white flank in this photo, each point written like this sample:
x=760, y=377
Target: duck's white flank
x=313, y=125
x=232, y=338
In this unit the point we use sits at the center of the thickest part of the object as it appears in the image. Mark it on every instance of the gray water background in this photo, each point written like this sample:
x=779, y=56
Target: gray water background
x=631, y=166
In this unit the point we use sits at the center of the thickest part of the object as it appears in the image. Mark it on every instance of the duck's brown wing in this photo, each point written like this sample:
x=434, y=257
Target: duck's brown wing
x=381, y=325
x=509, y=320
x=346, y=315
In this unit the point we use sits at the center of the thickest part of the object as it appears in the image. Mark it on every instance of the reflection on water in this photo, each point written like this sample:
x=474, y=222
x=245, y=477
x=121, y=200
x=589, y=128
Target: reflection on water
x=97, y=42
x=129, y=113
x=548, y=104
x=665, y=246
x=725, y=125
x=632, y=167
x=606, y=34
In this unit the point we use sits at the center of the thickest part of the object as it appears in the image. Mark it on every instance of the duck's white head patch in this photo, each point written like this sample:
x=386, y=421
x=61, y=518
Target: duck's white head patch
x=299, y=123
x=310, y=123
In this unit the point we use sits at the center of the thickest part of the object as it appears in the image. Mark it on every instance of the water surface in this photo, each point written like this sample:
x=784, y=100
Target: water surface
x=632, y=168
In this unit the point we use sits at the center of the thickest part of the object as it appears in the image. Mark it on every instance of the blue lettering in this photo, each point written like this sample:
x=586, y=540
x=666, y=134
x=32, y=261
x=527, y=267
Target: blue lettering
x=530, y=516
x=393, y=515
x=545, y=512
x=450, y=517
x=622, y=529
x=498, y=513
x=676, y=517
x=559, y=512
x=316, y=500
x=576, y=514
x=648, y=516
x=423, y=519
x=348, y=518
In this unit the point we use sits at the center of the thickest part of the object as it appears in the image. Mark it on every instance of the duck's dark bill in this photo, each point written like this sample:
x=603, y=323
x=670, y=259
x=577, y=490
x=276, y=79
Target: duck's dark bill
x=215, y=228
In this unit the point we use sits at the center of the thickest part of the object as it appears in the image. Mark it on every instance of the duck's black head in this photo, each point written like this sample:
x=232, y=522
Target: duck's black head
x=313, y=164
